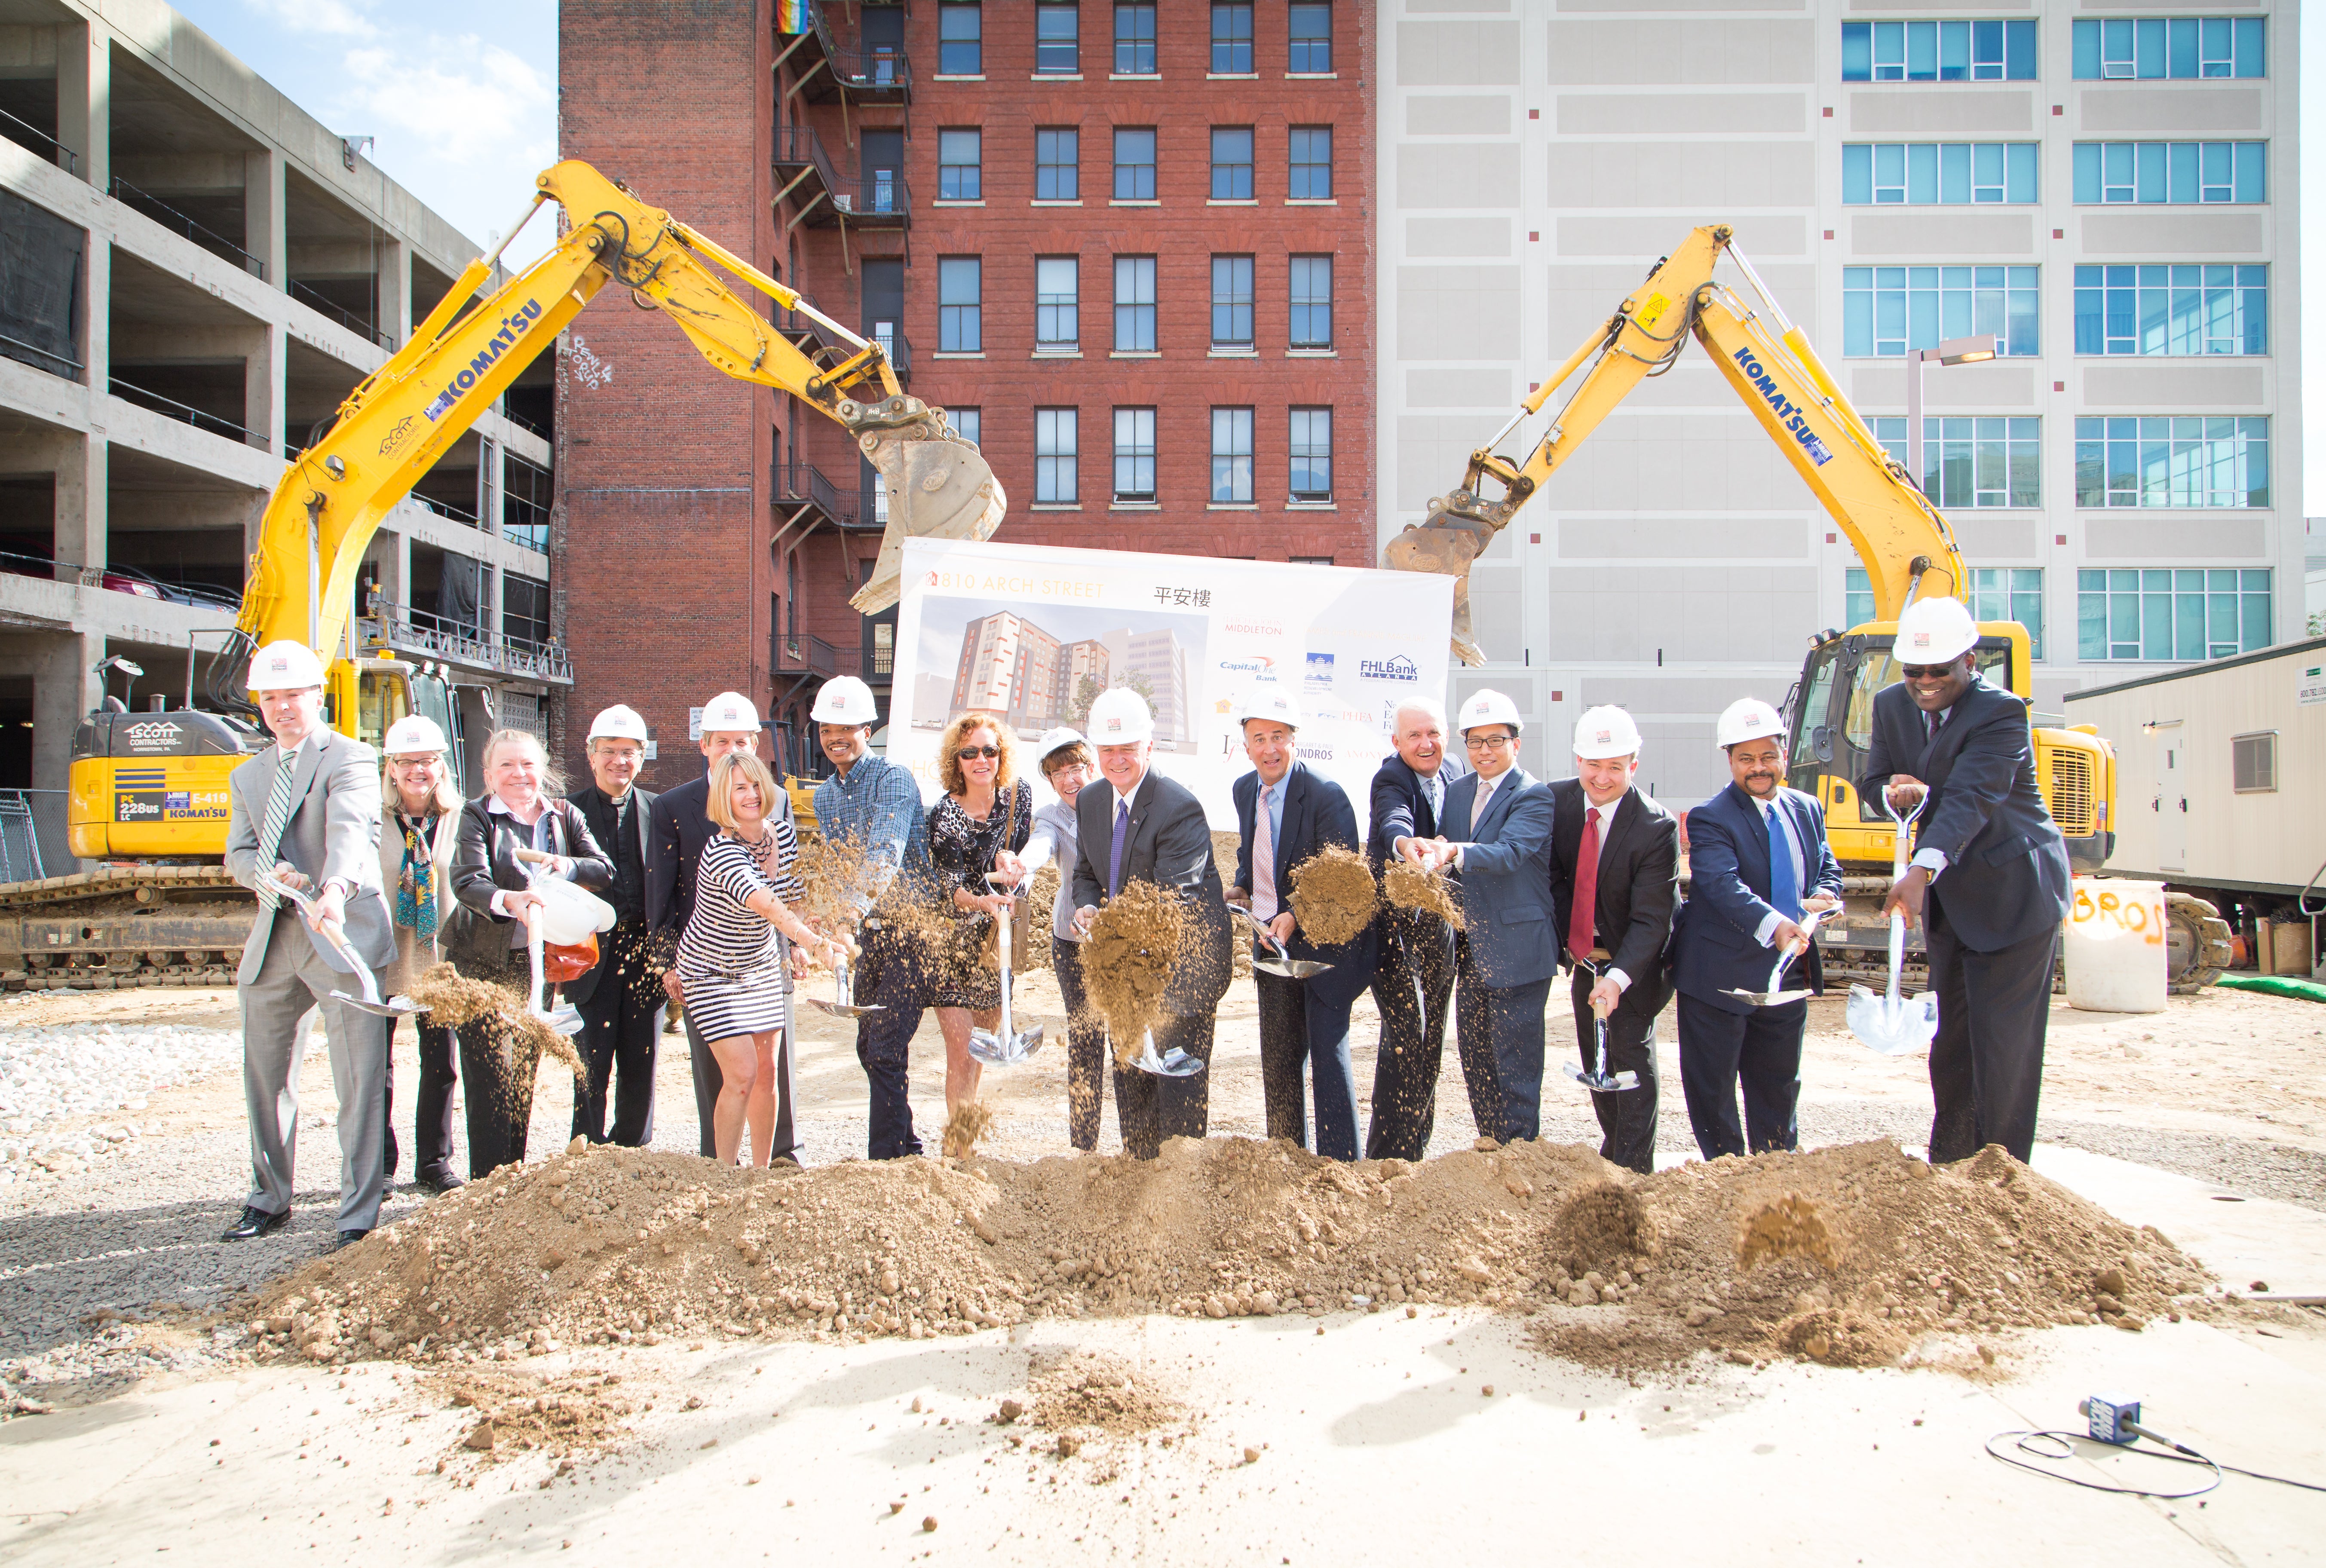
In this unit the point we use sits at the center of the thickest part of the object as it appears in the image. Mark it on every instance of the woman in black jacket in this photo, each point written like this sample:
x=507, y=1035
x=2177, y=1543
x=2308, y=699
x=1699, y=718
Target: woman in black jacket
x=520, y=809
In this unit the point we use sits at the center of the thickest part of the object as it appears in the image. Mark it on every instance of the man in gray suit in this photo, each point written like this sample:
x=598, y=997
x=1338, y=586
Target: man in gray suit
x=307, y=808
x=1494, y=831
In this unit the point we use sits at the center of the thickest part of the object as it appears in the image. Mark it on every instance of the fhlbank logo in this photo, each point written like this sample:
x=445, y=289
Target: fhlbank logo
x=1397, y=668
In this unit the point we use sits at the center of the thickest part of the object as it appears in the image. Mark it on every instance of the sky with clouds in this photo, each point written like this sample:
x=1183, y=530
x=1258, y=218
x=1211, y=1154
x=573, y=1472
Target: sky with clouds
x=462, y=98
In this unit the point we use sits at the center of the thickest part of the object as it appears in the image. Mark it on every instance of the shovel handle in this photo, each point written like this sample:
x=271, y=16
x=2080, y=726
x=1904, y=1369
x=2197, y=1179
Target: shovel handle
x=536, y=856
x=1897, y=950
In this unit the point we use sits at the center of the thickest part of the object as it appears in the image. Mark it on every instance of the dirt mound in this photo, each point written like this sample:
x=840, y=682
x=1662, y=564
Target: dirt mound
x=1088, y=1393
x=1127, y=961
x=1409, y=886
x=1333, y=895
x=519, y=1412
x=609, y=1244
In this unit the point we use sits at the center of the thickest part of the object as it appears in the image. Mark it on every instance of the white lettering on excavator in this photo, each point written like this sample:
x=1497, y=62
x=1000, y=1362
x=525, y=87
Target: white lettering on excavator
x=512, y=325
x=1788, y=413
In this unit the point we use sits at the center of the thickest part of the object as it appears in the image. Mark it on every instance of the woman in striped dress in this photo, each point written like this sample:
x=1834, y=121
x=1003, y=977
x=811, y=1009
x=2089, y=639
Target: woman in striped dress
x=728, y=958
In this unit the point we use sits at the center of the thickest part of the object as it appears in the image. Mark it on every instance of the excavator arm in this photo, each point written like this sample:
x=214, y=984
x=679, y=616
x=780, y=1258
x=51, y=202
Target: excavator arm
x=1906, y=545
x=394, y=426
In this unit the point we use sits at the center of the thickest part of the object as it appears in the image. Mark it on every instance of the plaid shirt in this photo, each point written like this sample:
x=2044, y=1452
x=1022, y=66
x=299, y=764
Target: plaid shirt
x=876, y=803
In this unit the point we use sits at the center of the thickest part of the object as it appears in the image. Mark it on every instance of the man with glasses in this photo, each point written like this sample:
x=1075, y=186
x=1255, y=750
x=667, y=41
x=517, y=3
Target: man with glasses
x=1989, y=880
x=620, y=1004
x=1493, y=833
x=1415, y=979
x=1614, y=876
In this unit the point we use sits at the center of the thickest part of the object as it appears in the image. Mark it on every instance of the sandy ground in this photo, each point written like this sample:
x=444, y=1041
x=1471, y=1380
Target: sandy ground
x=1369, y=1434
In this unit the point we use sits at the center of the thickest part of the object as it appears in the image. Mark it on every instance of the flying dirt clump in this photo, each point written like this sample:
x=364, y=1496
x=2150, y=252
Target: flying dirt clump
x=453, y=999
x=1333, y=895
x=1409, y=886
x=1791, y=1227
x=1127, y=962
x=964, y=1126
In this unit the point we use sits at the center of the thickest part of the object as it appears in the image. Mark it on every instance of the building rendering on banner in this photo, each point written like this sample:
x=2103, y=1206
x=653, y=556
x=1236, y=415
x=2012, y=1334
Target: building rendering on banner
x=196, y=273
x=2111, y=190
x=1034, y=681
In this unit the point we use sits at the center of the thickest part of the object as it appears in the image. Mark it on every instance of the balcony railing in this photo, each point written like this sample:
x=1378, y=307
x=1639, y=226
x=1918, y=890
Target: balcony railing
x=170, y=218
x=805, y=655
x=873, y=503
x=899, y=350
x=32, y=138
x=802, y=485
x=39, y=359
x=185, y=414
x=807, y=176
x=874, y=76
x=354, y=323
x=881, y=199
x=447, y=509
x=388, y=625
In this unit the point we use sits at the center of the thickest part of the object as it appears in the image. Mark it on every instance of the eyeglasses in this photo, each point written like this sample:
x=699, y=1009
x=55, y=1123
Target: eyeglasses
x=968, y=752
x=1489, y=742
x=1926, y=672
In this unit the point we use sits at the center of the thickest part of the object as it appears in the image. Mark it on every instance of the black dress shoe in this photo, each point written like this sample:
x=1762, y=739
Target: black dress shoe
x=255, y=1222
x=438, y=1179
x=348, y=1239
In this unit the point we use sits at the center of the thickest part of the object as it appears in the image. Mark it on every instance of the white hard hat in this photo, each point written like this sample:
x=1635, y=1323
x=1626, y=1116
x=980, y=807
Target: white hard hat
x=1604, y=732
x=1120, y=717
x=285, y=666
x=1934, y=631
x=730, y=712
x=415, y=732
x=1747, y=718
x=1269, y=702
x=623, y=723
x=844, y=700
x=1056, y=740
x=1488, y=707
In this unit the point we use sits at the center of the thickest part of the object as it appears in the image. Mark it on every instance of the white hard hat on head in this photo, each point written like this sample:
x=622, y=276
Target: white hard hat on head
x=1604, y=732
x=1747, y=718
x=1270, y=702
x=623, y=723
x=285, y=666
x=413, y=734
x=1120, y=717
x=1487, y=706
x=1934, y=631
x=844, y=700
x=728, y=713
x=1053, y=741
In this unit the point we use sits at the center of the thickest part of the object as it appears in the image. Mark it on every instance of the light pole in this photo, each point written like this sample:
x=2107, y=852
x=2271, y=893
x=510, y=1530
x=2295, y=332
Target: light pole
x=1953, y=351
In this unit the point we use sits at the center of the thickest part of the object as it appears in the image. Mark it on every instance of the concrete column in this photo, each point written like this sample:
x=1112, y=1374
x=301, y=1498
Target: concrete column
x=488, y=488
x=80, y=516
x=394, y=554
x=490, y=594
x=266, y=366
x=84, y=99
x=263, y=230
x=64, y=689
x=97, y=315
x=395, y=291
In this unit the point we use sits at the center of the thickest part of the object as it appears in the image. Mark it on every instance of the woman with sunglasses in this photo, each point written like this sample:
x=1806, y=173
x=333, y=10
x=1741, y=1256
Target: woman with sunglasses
x=987, y=810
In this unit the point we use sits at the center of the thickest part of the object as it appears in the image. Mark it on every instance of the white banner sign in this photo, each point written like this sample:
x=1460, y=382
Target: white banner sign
x=1033, y=634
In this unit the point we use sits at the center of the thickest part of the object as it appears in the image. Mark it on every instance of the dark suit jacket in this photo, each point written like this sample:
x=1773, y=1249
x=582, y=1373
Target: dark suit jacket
x=1316, y=812
x=1505, y=908
x=598, y=813
x=1400, y=808
x=2006, y=876
x=1638, y=885
x=680, y=826
x=1169, y=844
x=1729, y=858
x=485, y=858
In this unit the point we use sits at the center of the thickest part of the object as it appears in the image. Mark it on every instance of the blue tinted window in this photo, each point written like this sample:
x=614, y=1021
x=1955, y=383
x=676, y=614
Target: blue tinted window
x=1938, y=52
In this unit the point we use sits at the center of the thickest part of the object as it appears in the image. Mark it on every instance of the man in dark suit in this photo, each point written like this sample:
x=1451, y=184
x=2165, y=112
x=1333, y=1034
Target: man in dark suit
x=1417, y=947
x=1757, y=865
x=1286, y=814
x=1614, y=868
x=1134, y=825
x=621, y=1003
x=1989, y=881
x=1497, y=822
x=680, y=825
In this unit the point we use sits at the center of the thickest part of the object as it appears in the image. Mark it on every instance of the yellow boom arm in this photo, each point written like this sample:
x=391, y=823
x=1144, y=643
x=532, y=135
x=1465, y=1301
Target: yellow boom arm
x=394, y=426
x=1906, y=545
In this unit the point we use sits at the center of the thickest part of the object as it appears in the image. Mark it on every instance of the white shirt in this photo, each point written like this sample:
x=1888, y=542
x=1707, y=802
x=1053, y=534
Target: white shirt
x=1605, y=817
x=1478, y=803
x=540, y=831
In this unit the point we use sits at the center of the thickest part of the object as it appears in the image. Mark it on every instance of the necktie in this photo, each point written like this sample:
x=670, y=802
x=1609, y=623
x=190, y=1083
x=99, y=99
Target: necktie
x=1784, y=876
x=1433, y=788
x=278, y=817
x=1264, y=860
x=1115, y=856
x=1938, y=721
x=1478, y=805
x=1583, y=916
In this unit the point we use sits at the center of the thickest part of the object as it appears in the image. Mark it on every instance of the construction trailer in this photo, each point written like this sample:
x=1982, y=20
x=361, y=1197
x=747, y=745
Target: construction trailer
x=2221, y=781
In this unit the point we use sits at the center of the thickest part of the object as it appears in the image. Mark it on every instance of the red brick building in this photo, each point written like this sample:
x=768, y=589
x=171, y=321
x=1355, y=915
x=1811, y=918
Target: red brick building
x=1128, y=245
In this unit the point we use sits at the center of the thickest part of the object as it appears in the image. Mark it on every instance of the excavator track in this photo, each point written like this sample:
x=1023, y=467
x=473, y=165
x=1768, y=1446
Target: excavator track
x=123, y=926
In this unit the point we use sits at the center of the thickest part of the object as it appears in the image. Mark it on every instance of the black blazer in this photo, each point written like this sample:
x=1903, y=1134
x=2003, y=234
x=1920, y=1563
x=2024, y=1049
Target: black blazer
x=1713, y=948
x=1316, y=812
x=598, y=816
x=1401, y=807
x=681, y=826
x=1169, y=844
x=2006, y=876
x=1638, y=886
x=484, y=858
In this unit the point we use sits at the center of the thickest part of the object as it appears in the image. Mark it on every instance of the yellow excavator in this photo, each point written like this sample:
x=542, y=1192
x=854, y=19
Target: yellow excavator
x=151, y=788
x=1907, y=547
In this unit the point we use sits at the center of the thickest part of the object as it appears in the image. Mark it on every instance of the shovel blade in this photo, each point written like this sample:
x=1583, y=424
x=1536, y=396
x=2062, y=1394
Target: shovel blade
x=1004, y=1050
x=1290, y=968
x=1766, y=998
x=842, y=1009
x=1604, y=1082
x=565, y=1020
x=1893, y=1028
x=393, y=1007
x=1176, y=1063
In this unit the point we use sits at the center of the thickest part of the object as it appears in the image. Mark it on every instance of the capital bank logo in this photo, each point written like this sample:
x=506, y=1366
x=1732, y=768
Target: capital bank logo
x=1397, y=668
x=1259, y=666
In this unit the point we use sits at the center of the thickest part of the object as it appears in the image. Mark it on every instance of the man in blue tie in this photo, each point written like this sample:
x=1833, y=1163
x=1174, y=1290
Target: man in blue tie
x=1757, y=865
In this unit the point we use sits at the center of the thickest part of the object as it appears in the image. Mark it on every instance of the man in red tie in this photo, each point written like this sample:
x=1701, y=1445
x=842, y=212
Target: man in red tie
x=1615, y=866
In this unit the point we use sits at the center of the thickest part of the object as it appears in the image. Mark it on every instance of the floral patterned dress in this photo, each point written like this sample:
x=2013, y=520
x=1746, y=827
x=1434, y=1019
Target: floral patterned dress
x=962, y=848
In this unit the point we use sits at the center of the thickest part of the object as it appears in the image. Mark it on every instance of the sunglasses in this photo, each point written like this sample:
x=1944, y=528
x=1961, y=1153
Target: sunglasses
x=968, y=752
x=1926, y=672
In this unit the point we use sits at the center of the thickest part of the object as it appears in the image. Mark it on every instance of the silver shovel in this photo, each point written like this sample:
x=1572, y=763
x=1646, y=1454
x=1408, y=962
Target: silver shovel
x=1773, y=997
x=1178, y=1065
x=1890, y=1023
x=843, y=1003
x=1283, y=965
x=370, y=1001
x=1005, y=1045
x=1593, y=1074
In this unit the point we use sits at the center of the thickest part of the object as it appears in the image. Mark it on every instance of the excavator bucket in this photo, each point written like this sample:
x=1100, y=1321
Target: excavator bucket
x=937, y=485
x=1446, y=543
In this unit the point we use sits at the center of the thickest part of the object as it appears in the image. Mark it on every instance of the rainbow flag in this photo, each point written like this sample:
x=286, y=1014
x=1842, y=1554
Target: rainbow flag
x=792, y=15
